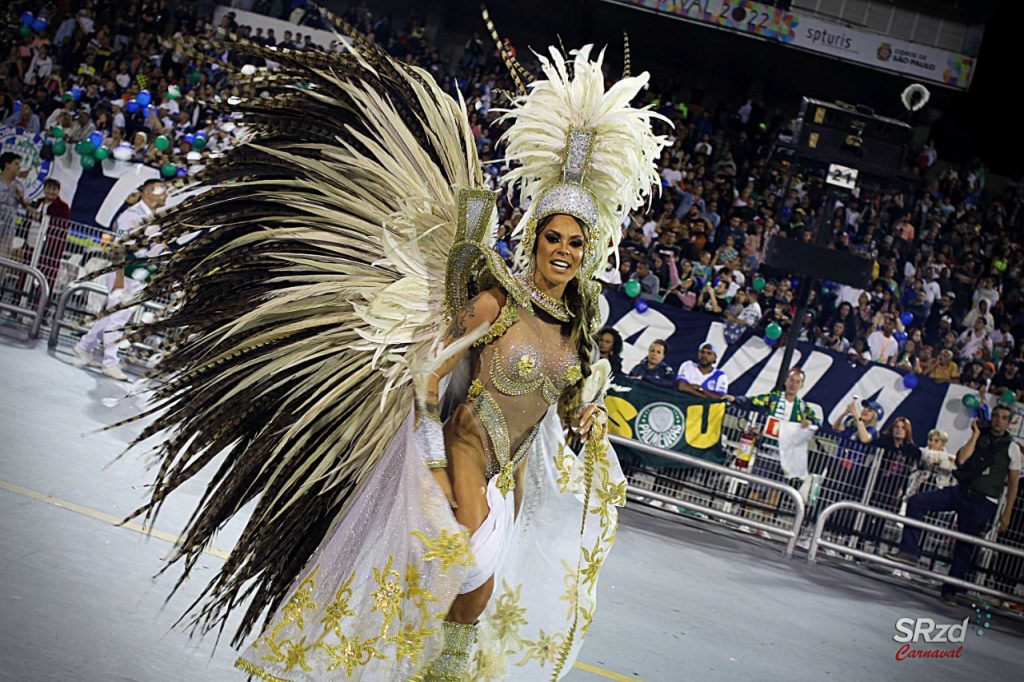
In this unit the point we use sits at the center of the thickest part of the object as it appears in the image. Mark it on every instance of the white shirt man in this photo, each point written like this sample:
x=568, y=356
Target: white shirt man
x=122, y=285
x=703, y=374
x=883, y=345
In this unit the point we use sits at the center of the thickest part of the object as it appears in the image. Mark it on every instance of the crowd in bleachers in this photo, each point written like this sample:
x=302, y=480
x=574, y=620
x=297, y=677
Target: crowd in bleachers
x=946, y=301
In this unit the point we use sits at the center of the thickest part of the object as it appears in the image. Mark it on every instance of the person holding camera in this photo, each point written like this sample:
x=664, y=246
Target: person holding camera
x=988, y=463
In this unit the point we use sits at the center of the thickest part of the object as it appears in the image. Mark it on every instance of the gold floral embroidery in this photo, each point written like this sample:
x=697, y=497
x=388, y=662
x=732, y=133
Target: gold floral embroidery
x=288, y=653
x=350, y=653
x=451, y=548
x=489, y=664
x=545, y=649
x=563, y=463
x=255, y=671
x=572, y=588
x=339, y=608
x=388, y=596
x=409, y=642
x=475, y=388
x=301, y=601
x=508, y=615
x=416, y=593
x=573, y=375
x=526, y=364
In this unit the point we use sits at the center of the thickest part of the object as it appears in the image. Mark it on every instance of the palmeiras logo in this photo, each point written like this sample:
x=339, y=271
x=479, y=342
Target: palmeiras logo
x=34, y=169
x=660, y=424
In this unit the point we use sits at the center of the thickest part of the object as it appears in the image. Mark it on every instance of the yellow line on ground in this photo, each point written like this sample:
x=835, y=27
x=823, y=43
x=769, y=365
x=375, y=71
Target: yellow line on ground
x=101, y=516
x=174, y=539
x=601, y=672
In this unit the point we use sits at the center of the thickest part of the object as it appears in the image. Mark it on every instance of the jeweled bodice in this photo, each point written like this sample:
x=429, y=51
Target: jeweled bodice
x=524, y=366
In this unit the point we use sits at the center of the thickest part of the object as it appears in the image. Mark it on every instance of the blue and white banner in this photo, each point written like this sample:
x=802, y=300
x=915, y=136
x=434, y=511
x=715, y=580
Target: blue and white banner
x=832, y=380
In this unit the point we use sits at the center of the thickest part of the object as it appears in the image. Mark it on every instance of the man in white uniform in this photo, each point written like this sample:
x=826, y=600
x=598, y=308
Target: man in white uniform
x=702, y=377
x=122, y=284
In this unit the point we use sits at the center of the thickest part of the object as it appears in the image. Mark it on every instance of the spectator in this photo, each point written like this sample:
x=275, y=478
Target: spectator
x=23, y=118
x=945, y=369
x=937, y=465
x=741, y=315
x=59, y=213
x=975, y=341
x=860, y=424
x=834, y=339
x=650, y=286
x=609, y=344
x=12, y=196
x=654, y=370
x=702, y=378
x=900, y=457
x=882, y=345
x=995, y=468
x=1008, y=378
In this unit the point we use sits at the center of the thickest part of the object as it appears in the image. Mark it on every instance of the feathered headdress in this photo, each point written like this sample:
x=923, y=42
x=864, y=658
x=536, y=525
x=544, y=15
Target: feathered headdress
x=582, y=151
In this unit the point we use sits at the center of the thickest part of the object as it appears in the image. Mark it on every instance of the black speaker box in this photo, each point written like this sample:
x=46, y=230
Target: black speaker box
x=809, y=259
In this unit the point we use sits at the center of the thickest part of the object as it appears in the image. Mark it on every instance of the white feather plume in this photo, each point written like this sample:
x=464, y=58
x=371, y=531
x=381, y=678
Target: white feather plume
x=622, y=167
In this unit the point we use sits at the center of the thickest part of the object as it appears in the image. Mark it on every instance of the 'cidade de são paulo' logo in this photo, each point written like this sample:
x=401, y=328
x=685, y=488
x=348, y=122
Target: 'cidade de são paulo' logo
x=914, y=631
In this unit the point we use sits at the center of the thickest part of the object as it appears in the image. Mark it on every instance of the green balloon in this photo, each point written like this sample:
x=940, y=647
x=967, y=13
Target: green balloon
x=59, y=147
x=632, y=288
x=24, y=31
x=85, y=148
x=88, y=162
x=194, y=76
x=162, y=142
x=199, y=143
x=970, y=401
x=758, y=283
x=57, y=132
x=169, y=170
x=102, y=153
x=773, y=331
x=1009, y=397
x=999, y=265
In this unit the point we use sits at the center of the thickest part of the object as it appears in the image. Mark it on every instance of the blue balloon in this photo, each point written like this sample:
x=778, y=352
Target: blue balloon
x=795, y=283
x=910, y=381
x=190, y=138
x=769, y=340
x=133, y=106
x=39, y=24
x=640, y=306
x=182, y=172
x=900, y=336
x=906, y=318
x=202, y=134
x=27, y=18
x=17, y=106
x=96, y=138
x=144, y=98
x=76, y=93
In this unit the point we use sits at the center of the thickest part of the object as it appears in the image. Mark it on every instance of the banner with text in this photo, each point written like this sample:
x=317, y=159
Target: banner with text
x=821, y=35
x=665, y=418
x=832, y=380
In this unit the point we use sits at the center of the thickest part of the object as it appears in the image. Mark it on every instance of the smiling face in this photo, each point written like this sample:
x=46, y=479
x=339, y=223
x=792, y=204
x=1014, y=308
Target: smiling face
x=558, y=252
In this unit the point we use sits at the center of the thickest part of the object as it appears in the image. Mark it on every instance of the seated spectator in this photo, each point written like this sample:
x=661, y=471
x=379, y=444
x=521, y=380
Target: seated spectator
x=973, y=375
x=975, y=340
x=741, y=315
x=650, y=285
x=1008, y=378
x=882, y=345
x=609, y=345
x=981, y=310
x=715, y=296
x=702, y=378
x=858, y=352
x=654, y=370
x=945, y=369
x=834, y=339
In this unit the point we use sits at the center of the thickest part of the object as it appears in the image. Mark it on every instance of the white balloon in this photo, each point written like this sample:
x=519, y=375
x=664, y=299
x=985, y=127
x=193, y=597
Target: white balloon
x=194, y=156
x=123, y=152
x=248, y=70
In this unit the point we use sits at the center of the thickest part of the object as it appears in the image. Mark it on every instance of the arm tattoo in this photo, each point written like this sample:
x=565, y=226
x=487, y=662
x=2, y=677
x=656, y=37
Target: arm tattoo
x=464, y=318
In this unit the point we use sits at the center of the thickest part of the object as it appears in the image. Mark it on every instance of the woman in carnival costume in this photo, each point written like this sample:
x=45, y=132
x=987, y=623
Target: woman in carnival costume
x=418, y=512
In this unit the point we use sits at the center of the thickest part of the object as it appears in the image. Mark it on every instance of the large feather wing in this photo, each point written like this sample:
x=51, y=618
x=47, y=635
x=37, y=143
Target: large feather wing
x=320, y=267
